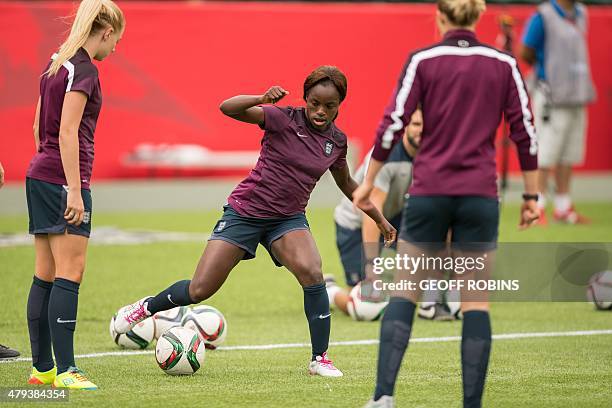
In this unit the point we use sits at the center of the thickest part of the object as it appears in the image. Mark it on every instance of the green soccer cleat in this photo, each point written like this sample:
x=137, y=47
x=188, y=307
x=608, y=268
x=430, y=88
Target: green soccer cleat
x=42, y=378
x=73, y=379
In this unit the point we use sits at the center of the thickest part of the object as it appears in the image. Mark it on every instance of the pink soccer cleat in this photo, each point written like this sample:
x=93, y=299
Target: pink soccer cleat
x=324, y=367
x=129, y=316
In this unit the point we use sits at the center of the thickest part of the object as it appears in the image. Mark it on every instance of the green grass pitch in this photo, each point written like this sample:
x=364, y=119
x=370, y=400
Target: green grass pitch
x=263, y=305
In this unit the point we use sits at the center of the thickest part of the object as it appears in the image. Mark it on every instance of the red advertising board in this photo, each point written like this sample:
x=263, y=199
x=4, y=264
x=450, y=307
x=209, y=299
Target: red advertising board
x=178, y=61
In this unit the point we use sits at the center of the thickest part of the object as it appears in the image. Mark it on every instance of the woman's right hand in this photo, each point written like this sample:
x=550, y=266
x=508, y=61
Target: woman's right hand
x=74, y=207
x=273, y=95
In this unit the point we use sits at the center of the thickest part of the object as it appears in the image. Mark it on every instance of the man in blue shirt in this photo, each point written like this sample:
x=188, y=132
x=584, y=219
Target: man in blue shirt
x=554, y=43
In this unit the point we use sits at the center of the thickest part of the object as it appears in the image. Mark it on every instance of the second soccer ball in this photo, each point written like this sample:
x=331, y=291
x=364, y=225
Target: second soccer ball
x=209, y=323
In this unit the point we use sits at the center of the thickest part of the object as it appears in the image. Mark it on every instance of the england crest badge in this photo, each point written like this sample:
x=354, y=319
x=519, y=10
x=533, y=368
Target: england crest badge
x=329, y=148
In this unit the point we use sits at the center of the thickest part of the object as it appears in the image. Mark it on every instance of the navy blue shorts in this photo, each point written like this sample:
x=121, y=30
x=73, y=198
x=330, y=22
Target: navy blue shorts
x=349, y=243
x=350, y=247
x=248, y=232
x=472, y=219
x=46, y=207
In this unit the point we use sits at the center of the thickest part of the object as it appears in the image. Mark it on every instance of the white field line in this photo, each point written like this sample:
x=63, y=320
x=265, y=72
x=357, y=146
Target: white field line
x=507, y=336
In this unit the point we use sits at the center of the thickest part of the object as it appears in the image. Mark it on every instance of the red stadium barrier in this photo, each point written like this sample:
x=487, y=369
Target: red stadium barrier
x=178, y=61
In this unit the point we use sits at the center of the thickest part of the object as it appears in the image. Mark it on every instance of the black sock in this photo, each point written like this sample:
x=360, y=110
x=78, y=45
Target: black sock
x=316, y=308
x=475, y=350
x=38, y=324
x=175, y=295
x=63, y=302
x=394, y=336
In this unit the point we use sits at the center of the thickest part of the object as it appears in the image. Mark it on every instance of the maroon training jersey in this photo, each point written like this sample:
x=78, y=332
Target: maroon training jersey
x=76, y=74
x=292, y=159
x=464, y=87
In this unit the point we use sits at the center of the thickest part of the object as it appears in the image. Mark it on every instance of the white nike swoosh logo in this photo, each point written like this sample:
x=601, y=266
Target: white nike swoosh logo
x=170, y=300
x=324, y=316
x=59, y=320
x=301, y=135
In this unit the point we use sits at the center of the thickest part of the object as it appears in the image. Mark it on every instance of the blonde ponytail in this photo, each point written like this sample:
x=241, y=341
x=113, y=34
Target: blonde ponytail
x=91, y=16
x=462, y=13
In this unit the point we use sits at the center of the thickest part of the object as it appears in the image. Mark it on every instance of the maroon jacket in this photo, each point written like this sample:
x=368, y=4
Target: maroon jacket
x=293, y=157
x=464, y=87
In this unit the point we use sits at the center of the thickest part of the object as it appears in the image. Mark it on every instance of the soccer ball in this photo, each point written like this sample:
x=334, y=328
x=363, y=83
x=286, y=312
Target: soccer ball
x=138, y=338
x=179, y=351
x=209, y=323
x=168, y=319
x=363, y=310
x=455, y=309
x=599, y=291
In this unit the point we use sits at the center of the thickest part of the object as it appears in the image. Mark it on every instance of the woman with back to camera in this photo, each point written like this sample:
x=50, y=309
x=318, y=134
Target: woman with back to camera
x=57, y=189
x=299, y=145
x=463, y=87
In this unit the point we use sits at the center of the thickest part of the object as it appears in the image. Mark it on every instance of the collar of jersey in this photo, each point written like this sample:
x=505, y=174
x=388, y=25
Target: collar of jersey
x=460, y=33
x=406, y=153
x=84, y=53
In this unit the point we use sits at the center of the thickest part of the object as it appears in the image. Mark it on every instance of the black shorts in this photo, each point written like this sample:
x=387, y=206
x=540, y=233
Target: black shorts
x=46, y=207
x=473, y=220
x=349, y=243
x=248, y=232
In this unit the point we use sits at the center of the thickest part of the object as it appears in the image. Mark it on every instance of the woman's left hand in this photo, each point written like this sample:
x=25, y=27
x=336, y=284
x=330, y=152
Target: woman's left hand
x=74, y=207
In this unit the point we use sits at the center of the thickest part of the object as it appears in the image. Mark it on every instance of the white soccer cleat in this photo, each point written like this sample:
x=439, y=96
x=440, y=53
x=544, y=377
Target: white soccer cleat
x=324, y=367
x=129, y=316
x=383, y=402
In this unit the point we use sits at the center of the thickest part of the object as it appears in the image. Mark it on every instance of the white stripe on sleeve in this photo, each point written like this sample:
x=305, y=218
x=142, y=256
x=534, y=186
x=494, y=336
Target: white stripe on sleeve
x=70, y=67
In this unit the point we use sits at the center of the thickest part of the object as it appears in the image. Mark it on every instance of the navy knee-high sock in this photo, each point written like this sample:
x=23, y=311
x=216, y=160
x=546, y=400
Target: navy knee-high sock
x=175, y=295
x=316, y=308
x=475, y=351
x=394, y=336
x=63, y=302
x=38, y=324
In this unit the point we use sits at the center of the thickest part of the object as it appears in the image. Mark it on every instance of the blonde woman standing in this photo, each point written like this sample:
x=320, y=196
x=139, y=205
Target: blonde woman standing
x=464, y=87
x=57, y=189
